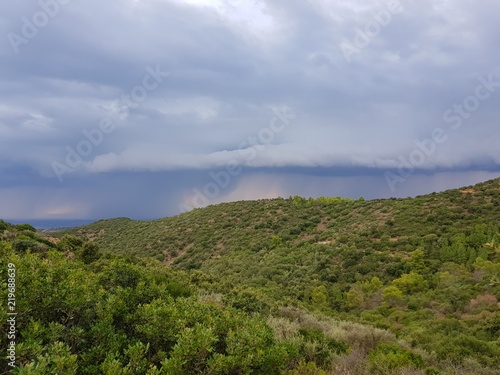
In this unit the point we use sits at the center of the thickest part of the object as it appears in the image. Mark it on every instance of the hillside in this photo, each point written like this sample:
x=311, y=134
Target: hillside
x=338, y=255
x=205, y=234
x=328, y=285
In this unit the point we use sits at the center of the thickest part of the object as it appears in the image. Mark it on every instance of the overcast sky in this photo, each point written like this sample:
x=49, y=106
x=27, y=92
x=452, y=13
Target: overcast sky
x=146, y=108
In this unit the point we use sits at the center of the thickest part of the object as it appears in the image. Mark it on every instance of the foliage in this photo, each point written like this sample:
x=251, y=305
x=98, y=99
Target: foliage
x=283, y=286
x=388, y=357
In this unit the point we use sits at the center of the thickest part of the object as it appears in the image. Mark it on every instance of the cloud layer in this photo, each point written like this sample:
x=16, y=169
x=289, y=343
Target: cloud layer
x=169, y=91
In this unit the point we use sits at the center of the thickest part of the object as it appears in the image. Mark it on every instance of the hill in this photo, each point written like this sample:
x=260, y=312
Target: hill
x=395, y=286
x=203, y=234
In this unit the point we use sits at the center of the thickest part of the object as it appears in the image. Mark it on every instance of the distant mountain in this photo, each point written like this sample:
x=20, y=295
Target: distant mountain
x=44, y=224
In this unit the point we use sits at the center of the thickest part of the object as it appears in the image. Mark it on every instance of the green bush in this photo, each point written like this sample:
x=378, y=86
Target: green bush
x=388, y=357
x=320, y=348
x=89, y=253
x=306, y=368
x=26, y=227
x=22, y=246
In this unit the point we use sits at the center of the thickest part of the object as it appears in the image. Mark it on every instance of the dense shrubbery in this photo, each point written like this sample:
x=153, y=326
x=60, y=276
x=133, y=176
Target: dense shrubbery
x=287, y=286
x=117, y=315
x=389, y=357
x=121, y=316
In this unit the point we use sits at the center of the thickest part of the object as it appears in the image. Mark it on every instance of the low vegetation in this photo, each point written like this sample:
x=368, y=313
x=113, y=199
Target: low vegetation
x=284, y=286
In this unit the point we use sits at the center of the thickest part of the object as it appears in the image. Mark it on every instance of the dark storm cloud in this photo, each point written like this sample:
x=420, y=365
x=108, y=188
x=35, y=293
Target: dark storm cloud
x=232, y=66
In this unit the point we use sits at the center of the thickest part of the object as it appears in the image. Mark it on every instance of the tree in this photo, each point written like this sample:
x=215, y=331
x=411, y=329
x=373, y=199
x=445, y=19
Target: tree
x=276, y=241
x=318, y=295
x=354, y=298
x=417, y=263
x=70, y=243
x=372, y=286
x=411, y=283
x=89, y=252
x=392, y=295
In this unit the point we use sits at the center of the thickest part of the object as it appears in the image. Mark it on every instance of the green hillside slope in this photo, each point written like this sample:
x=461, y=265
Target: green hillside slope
x=338, y=281
x=204, y=234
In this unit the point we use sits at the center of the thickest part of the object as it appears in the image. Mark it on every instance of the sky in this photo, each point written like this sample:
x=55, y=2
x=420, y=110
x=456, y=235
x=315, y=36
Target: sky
x=147, y=109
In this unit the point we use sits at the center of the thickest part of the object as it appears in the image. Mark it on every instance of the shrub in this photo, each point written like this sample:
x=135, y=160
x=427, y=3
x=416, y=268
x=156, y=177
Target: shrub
x=22, y=246
x=56, y=360
x=192, y=351
x=306, y=368
x=70, y=243
x=89, y=253
x=389, y=357
x=247, y=300
x=27, y=227
x=411, y=283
